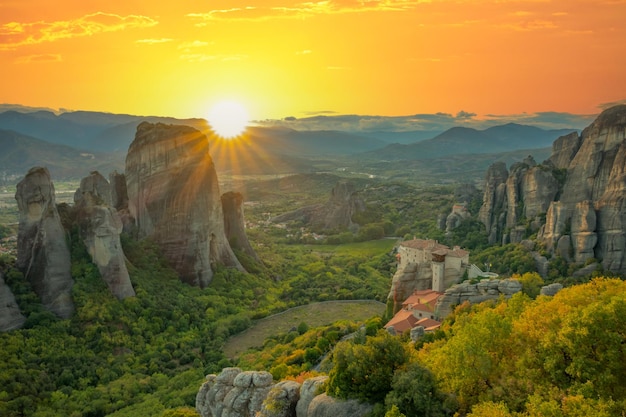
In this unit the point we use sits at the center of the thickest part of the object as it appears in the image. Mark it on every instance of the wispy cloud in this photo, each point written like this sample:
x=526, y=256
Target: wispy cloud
x=604, y=106
x=304, y=52
x=435, y=122
x=303, y=10
x=154, y=41
x=28, y=59
x=193, y=44
x=15, y=34
x=531, y=25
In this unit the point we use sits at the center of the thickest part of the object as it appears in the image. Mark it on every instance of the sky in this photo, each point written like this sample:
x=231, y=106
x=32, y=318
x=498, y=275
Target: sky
x=305, y=60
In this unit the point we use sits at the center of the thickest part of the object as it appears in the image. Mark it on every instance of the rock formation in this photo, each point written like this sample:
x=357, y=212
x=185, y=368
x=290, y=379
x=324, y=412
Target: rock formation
x=237, y=393
x=100, y=228
x=335, y=214
x=119, y=200
x=42, y=252
x=233, y=393
x=234, y=224
x=174, y=196
x=10, y=316
x=486, y=289
x=580, y=189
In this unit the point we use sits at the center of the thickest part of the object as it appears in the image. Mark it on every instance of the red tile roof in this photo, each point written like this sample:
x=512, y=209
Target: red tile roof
x=424, y=300
x=402, y=321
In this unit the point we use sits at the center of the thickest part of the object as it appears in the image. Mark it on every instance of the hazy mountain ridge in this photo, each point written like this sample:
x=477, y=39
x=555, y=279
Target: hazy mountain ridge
x=465, y=140
x=269, y=149
x=19, y=152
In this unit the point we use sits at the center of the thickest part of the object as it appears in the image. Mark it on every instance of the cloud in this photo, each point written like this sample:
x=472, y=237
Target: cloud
x=14, y=34
x=604, y=106
x=465, y=115
x=193, y=44
x=28, y=59
x=531, y=25
x=304, y=52
x=436, y=122
x=303, y=10
x=154, y=41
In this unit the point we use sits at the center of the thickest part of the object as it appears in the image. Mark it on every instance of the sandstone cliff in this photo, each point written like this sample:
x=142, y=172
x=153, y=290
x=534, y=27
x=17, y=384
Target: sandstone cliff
x=237, y=393
x=234, y=223
x=575, y=201
x=10, y=316
x=335, y=214
x=42, y=252
x=100, y=228
x=174, y=196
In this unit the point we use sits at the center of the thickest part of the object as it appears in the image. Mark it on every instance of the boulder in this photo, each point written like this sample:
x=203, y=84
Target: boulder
x=325, y=406
x=486, y=289
x=42, y=251
x=551, y=289
x=309, y=390
x=100, y=228
x=233, y=393
x=281, y=401
x=173, y=194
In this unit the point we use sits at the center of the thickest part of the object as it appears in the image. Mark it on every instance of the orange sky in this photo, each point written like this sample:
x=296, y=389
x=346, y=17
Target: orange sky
x=288, y=58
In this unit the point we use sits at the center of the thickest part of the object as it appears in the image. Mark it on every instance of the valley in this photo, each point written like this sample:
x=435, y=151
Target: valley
x=297, y=252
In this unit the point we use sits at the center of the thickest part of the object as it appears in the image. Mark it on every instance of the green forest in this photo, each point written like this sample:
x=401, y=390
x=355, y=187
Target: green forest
x=148, y=355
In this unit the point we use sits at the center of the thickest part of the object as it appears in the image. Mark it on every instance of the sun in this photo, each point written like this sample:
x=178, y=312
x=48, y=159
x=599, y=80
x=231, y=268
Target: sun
x=228, y=119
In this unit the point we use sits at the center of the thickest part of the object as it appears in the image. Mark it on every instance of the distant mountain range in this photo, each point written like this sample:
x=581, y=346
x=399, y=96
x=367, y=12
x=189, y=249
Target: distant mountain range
x=73, y=143
x=465, y=141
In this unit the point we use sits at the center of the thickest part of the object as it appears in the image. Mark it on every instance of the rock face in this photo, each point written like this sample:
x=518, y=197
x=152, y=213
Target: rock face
x=119, y=200
x=487, y=289
x=42, y=252
x=581, y=191
x=174, y=196
x=237, y=393
x=335, y=214
x=234, y=224
x=100, y=228
x=592, y=206
x=10, y=316
x=233, y=393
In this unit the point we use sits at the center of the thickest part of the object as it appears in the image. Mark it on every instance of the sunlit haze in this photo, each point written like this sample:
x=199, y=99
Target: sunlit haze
x=228, y=119
x=291, y=58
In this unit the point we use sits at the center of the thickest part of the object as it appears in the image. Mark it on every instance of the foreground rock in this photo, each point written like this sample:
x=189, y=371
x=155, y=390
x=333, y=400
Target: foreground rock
x=10, y=316
x=174, y=196
x=237, y=393
x=100, y=228
x=42, y=252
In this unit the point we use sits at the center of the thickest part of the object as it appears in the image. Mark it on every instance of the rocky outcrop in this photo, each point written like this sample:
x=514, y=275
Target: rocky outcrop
x=580, y=189
x=309, y=390
x=551, y=289
x=525, y=193
x=281, y=401
x=325, y=406
x=234, y=224
x=233, y=393
x=100, y=228
x=335, y=214
x=10, y=316
x=237, y=393
x=119, y=200
x=174, y=196
x=42, y=252
x=491, y=213
x=591, y=210
x=486, y=289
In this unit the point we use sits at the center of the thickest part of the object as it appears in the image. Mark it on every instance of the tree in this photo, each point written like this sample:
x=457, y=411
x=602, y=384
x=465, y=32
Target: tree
x=531, y=283
x=414, y=392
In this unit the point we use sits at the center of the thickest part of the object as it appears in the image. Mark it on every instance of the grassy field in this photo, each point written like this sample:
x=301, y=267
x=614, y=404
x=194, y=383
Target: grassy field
x=314, y=315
